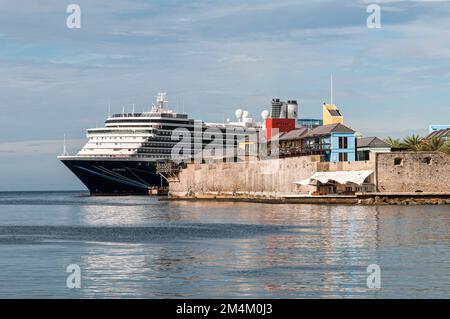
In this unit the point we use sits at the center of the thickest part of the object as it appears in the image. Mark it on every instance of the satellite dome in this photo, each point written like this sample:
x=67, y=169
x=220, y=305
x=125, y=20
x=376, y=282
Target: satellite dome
x=238, y=113
x=265, y=114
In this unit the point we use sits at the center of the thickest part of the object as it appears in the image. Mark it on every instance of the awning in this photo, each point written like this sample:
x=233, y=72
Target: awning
x=341, y=177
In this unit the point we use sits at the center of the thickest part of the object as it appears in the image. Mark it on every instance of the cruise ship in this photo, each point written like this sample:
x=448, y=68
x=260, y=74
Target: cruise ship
x=120, y=158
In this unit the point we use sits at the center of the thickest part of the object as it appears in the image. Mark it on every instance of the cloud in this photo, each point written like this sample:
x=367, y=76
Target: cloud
x=39, y=147
x=213, y=57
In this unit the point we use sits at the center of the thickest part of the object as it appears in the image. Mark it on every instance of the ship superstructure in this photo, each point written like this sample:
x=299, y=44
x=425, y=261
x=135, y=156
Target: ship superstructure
x=120, y=157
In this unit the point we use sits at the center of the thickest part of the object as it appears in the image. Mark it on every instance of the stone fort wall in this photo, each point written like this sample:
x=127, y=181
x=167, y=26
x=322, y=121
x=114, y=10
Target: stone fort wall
x=413, y=172
x=394, y=172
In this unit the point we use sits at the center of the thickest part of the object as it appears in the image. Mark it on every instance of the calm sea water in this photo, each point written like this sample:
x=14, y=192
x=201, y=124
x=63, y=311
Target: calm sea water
x=139, y=247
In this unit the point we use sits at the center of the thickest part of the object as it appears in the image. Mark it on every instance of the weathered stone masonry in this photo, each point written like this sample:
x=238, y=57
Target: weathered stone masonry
x=394, y=172
x=413, y=172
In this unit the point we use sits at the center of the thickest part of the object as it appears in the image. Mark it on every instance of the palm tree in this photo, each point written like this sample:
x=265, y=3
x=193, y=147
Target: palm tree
x=412, y=142
x=394, y=142
x=433, y=144
x=445, y=147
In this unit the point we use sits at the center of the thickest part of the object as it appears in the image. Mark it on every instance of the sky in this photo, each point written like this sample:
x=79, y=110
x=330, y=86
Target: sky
x=211, y=57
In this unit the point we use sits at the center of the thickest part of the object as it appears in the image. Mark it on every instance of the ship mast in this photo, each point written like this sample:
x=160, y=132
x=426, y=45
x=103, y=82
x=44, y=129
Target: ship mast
x=158, y=106
x=64, y=153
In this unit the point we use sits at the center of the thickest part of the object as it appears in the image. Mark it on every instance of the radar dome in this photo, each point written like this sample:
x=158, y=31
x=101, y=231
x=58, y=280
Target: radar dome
x=238, y=113
x=265, y=114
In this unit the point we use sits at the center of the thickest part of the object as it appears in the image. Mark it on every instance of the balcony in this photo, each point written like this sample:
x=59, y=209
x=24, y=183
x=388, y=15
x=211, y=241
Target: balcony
x=314, y=149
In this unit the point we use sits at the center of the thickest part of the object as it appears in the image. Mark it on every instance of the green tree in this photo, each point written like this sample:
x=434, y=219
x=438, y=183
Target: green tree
x=412, y=142
x=394, y=142
x=434, y=144
x=446, y=147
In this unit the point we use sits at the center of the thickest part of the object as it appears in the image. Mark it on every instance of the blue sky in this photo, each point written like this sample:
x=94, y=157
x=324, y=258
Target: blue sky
x=215, y=56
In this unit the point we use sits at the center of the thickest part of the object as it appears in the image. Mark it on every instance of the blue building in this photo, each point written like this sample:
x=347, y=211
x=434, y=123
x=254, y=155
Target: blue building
x=335, y=142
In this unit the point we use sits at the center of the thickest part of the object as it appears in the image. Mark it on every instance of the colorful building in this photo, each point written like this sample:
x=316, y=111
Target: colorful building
x=331, y=114
x=338, y=138
x=335, y=142
x=278, y=125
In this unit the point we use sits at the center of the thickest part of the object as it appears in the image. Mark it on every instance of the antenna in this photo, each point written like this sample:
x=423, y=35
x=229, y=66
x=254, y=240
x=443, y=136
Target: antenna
x=64, y=147
x=331, y=78
x=160, y=100
x=133, y=109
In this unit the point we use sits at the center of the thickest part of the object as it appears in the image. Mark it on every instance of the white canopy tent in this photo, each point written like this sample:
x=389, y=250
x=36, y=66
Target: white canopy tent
x=341, y=177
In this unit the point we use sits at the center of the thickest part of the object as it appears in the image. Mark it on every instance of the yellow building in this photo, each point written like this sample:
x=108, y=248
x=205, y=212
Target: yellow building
x=331, y=114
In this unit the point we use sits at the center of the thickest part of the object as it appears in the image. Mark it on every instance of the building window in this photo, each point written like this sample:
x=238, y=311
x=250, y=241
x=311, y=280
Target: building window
x=343, y=157
x=398, y=161
x=343, y=142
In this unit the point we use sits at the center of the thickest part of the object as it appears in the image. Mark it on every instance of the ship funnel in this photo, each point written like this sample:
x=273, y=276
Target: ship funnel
x=292, y=109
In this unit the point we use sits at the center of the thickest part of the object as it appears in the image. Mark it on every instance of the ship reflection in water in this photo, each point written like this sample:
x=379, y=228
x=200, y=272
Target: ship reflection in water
x=139, y=247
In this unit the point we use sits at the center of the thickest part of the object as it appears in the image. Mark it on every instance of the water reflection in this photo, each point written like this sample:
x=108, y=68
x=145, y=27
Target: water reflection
x=238, y=250
x=325, y=254
x=132, y=211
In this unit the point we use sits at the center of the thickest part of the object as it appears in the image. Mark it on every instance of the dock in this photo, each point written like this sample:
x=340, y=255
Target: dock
x=388, y=198
x=158, y=191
